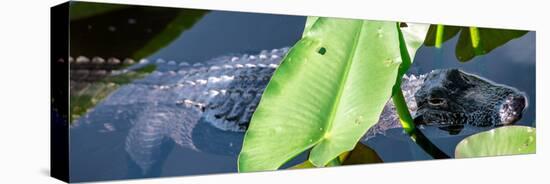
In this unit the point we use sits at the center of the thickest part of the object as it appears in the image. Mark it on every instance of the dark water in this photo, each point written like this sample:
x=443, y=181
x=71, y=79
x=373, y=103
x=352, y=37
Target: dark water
x=97, y=156
x=219, y=33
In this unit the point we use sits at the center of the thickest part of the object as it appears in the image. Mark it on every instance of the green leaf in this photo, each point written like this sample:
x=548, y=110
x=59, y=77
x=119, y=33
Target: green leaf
x=479, y=41
x=329, y=89
x=472, y=41
x=507, y=140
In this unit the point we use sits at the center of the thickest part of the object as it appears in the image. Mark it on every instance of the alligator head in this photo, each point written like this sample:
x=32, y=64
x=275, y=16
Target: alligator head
x=451, y=98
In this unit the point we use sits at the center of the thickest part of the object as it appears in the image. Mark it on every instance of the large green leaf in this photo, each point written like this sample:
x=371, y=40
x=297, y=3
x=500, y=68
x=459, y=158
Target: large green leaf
x=479, y=41
x=508, y=140
x=472, y=41
x=329, y=89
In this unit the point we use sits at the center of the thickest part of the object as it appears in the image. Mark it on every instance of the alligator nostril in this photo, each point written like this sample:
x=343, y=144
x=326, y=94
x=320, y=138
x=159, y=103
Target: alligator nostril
x=436, y=101
x=512, y=109
x=517, y=103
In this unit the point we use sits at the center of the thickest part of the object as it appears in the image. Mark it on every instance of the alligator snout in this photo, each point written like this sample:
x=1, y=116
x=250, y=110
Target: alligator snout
x=453, y=98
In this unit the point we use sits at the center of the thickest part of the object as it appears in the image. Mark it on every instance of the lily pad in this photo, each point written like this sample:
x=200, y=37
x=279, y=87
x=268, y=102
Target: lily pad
x=507, y=140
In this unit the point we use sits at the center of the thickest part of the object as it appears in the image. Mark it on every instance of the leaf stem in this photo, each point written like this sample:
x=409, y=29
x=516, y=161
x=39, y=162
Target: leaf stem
x=401, y=104
x=474, y=36
x=403, y=111
x=439, y=35
x=475, y=39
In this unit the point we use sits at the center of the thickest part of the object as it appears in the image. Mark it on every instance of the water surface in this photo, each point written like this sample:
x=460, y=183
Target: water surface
x=101, y=156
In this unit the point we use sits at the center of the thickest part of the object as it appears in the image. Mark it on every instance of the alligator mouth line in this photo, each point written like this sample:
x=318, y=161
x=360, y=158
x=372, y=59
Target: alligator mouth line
x=433, y=117
x=452, y=127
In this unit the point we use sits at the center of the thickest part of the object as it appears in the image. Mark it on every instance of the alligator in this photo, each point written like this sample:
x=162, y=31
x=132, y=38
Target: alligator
x=168, y=104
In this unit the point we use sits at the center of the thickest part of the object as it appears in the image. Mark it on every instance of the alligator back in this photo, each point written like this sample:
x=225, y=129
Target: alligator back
x=167, y=105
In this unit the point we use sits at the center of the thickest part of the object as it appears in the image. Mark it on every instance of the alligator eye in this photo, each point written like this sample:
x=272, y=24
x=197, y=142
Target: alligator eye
x=436, y=101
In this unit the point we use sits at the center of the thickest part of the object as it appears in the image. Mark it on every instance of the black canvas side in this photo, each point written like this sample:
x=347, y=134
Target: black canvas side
x=59, y=80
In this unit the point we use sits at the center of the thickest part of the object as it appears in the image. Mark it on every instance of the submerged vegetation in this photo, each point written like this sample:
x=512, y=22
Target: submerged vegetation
x=119, y=31
x=333, y=84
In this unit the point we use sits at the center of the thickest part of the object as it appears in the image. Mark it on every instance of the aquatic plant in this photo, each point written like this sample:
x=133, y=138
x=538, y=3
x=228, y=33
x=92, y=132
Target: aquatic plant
x=332, y=86
x=342, y=73
x=472, y=41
